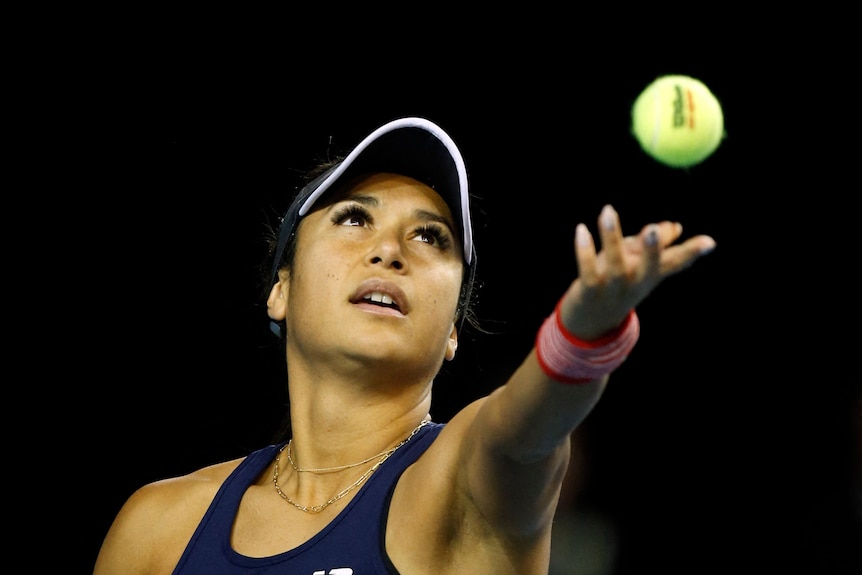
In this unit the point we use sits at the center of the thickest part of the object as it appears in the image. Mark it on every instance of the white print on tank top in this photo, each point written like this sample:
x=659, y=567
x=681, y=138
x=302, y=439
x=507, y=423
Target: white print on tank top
x=339, y=571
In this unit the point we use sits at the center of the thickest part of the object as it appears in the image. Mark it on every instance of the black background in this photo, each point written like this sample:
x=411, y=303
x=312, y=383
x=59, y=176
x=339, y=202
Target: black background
x=728, y=442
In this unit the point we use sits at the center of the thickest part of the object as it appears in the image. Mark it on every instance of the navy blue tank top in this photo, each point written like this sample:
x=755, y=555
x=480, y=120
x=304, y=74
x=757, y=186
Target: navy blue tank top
x=353, y=543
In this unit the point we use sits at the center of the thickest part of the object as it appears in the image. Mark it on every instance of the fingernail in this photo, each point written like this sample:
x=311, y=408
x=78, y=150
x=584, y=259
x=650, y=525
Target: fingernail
x=652, y=235
x=582, y=236
x=607, y=218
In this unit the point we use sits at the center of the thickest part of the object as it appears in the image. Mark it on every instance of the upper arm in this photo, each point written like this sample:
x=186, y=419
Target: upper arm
x=517, y=497
x=516, y=448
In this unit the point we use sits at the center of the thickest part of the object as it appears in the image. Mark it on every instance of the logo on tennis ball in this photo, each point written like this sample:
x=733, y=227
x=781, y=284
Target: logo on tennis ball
x=679, y=109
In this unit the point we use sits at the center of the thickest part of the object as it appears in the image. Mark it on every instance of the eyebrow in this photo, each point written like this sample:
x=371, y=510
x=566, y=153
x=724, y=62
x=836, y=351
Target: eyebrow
x=427, y=216
x=361, y=199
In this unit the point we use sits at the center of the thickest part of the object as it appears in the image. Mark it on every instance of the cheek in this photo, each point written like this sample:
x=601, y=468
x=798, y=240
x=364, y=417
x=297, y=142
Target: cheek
x=315, y=273
x=445, y=290
x=318, y=274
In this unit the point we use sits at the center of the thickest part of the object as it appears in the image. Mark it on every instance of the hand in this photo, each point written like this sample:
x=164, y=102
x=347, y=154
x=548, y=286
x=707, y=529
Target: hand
x=626, y=270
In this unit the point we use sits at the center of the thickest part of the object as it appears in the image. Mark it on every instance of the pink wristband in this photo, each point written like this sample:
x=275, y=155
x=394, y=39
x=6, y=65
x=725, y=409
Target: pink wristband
x=568, y=359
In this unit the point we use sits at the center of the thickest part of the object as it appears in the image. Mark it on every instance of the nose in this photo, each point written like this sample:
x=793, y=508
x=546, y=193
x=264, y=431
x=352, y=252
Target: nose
x=388, y=252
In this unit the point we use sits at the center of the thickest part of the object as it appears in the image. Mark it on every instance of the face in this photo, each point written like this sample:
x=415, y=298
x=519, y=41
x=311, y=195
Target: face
x=376, y=277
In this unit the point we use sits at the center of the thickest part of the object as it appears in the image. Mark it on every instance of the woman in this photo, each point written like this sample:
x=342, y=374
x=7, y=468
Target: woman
x=371, y=280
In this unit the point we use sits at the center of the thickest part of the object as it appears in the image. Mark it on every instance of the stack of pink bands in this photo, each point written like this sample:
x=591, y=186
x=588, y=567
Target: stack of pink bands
x=568, y=359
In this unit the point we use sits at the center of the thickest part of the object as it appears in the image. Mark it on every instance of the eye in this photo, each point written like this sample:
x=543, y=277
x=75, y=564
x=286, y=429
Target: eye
x=351, y=215
x=434, y=235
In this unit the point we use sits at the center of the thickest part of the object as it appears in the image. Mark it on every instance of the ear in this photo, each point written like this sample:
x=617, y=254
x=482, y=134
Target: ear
x=276, y=303
x=452, y=345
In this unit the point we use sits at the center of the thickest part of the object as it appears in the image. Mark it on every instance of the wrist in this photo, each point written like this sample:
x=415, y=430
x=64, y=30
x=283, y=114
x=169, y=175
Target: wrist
x=567, y=358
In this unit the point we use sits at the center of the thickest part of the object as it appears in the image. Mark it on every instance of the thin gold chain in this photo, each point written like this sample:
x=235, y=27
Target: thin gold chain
x=318, y=508
x=324, y=470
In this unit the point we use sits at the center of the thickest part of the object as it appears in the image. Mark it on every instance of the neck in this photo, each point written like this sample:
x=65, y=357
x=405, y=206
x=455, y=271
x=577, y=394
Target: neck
x=375, y=459
x=343, y=415
x=322, y=439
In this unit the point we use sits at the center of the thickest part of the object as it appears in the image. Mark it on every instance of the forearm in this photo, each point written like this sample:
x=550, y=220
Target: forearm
x=532, y=414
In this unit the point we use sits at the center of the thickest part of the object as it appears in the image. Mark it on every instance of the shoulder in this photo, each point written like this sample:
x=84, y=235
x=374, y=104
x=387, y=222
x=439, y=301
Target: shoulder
x=156, y=522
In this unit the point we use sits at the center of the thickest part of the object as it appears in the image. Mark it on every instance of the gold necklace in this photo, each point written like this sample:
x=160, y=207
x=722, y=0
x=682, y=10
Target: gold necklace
x=324, y=470
x=383, y=455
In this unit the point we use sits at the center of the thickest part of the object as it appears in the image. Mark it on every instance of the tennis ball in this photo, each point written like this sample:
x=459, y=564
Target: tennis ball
x=678, y=121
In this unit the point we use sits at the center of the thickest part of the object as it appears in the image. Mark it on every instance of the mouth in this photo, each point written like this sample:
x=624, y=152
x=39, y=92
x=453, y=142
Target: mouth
x=380, y=296
x=381, y=299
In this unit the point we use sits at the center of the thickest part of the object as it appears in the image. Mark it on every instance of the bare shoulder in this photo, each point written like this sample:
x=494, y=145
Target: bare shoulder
x=155, y=523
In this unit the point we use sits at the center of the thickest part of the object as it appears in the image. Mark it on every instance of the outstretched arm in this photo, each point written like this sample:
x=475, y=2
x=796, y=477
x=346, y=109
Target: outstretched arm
x=516, y=446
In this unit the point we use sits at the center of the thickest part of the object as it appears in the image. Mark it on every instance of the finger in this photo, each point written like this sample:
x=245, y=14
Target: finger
x=679, y=257
x=666, y=233
x=612, y=240
x=585, y=253
x=651, y=243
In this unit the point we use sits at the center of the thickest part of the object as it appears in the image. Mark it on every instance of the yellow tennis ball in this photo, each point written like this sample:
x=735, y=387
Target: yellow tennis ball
x=678, y=121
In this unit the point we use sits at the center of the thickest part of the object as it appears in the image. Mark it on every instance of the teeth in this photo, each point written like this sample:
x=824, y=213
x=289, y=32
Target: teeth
x=379, y=297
